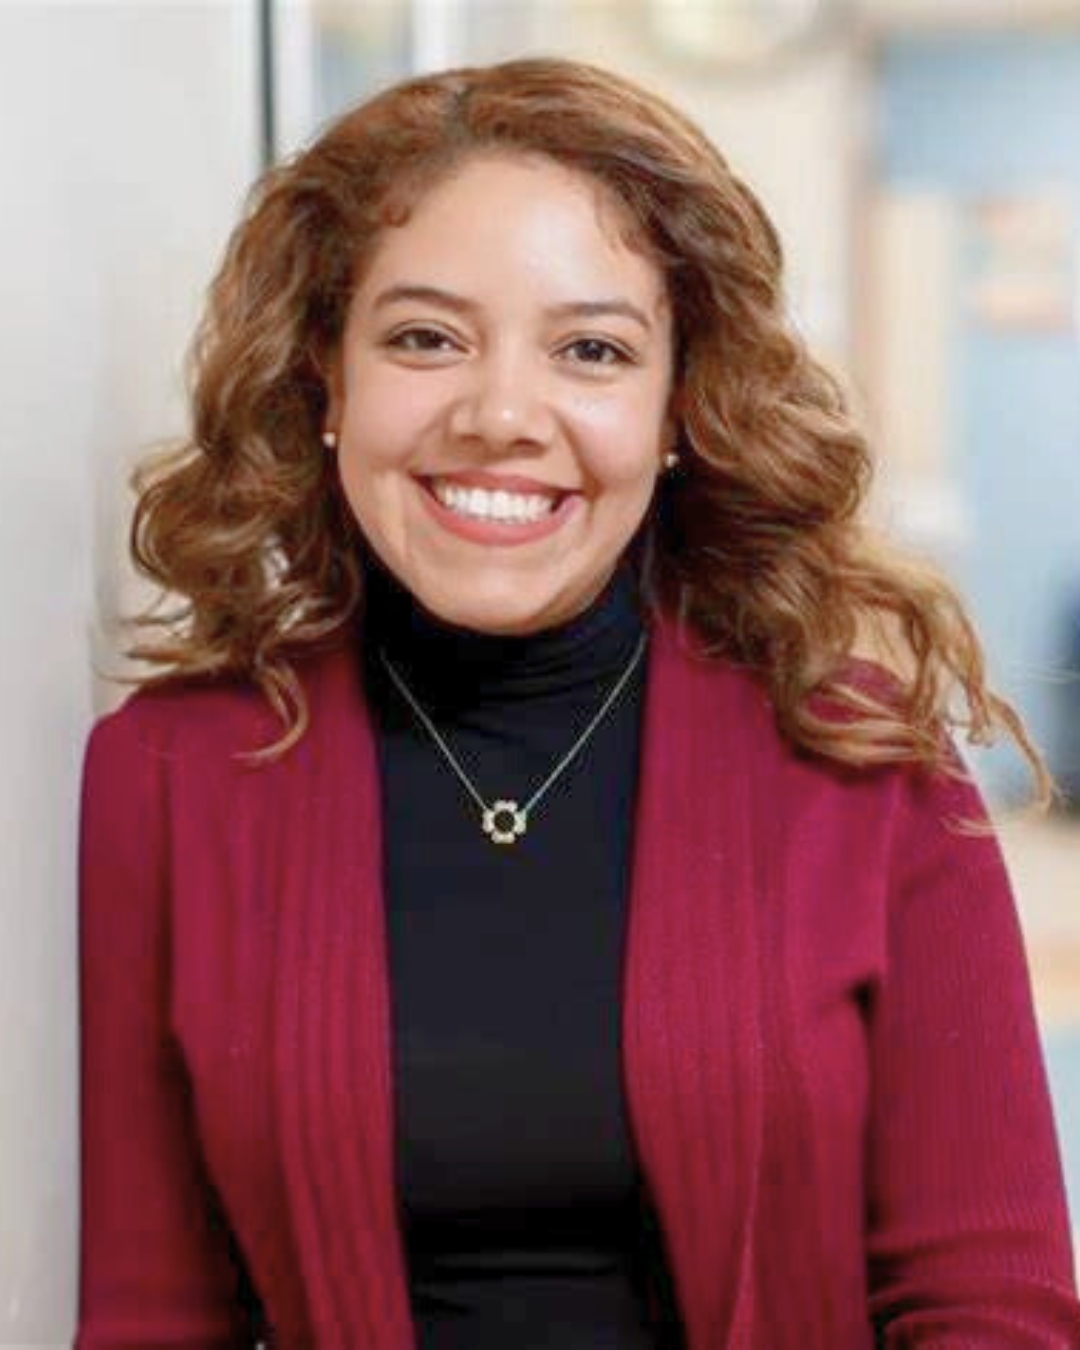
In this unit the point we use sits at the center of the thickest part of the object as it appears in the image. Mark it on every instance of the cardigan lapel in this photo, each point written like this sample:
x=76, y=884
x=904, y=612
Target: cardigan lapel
x=334, y=1032
x=690, y=1010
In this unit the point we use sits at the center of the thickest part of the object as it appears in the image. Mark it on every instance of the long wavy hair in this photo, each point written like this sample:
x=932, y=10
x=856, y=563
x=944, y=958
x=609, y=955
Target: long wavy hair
x=757, y=542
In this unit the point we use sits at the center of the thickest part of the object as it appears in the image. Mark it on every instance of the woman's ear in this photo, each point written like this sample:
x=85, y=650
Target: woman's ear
x=328, y=364
x=672, y=420
x=333, y=407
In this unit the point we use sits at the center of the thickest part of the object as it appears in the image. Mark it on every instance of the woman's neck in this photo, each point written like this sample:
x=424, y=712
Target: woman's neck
x=453, y=665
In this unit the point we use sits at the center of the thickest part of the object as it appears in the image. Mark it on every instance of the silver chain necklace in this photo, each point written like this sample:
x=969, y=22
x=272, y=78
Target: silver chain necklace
x=518, y=815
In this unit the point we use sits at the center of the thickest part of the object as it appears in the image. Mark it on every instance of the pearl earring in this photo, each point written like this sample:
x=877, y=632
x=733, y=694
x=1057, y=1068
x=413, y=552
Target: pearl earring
x=329, y=439
x=670, y=459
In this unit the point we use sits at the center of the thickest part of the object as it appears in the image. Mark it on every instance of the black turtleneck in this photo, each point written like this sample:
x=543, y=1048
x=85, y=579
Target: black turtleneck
x=525, y=1217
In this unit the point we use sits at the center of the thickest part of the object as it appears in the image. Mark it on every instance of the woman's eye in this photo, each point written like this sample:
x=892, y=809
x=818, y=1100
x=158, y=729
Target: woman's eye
x=591, y=351
x=598, y=345
x=398, y=339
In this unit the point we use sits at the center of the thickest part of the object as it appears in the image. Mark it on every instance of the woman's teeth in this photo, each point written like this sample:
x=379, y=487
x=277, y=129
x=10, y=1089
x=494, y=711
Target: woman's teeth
x=499, y=505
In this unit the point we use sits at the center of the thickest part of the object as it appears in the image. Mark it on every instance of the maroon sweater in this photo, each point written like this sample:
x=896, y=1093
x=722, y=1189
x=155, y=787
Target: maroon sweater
x=832, y=1066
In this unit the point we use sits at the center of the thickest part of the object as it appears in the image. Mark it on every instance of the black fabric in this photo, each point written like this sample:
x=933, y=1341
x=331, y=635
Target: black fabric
x=526, y=1220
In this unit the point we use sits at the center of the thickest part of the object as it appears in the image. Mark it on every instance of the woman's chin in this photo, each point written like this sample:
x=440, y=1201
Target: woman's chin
x=499, y=615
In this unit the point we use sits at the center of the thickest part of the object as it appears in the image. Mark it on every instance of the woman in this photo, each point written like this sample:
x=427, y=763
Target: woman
x=594, y=960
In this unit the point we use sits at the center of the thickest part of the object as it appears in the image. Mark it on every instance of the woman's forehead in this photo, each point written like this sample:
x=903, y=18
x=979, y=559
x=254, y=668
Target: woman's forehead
x=549, y=218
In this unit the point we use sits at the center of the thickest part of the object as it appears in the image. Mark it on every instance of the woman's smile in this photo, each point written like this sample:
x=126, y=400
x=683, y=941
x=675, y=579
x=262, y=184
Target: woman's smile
x=499, y=518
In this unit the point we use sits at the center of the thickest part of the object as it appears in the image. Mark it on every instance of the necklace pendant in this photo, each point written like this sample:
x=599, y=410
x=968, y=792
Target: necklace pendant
x=499, y=831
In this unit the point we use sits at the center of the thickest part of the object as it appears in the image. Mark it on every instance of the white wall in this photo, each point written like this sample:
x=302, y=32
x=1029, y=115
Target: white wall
x=128, y=134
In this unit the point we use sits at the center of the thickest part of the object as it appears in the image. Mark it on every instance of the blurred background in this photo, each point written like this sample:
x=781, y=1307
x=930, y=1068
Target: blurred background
x=921, y=159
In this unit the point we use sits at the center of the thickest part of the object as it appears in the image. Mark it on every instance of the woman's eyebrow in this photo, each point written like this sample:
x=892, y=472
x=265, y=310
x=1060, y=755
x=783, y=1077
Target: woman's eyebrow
x=436, y=295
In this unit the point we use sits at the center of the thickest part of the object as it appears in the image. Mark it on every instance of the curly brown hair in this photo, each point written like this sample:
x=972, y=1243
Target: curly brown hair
x=757, y=542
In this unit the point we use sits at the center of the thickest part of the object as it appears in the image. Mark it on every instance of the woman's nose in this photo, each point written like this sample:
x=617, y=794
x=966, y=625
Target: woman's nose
x=503, y=402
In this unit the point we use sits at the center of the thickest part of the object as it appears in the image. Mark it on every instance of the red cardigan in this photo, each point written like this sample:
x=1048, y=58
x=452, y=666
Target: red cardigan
x=832, y=1067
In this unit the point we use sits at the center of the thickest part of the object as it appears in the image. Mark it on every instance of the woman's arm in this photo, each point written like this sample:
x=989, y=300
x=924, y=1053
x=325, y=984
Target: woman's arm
x=158, y=1266
x=968, y=1233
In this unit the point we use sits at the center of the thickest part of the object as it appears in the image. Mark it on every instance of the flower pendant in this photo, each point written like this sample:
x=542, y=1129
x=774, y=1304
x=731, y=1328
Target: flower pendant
x=508, y=832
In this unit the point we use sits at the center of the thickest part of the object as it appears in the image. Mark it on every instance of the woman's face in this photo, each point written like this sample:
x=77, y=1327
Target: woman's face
x=503, y=346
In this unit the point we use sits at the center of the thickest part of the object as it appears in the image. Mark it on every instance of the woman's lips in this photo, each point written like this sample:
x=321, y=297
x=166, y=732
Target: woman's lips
x=493, y=482
x=497, y=532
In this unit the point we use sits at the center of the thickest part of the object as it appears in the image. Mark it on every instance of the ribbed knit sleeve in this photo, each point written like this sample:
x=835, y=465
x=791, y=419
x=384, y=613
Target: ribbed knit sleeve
x=157, y=1266
x=968, y=1237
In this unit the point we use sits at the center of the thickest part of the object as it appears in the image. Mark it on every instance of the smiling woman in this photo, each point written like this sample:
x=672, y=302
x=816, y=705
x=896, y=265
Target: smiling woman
x=593, y=960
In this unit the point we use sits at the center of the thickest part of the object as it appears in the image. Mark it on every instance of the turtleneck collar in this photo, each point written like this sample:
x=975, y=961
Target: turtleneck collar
x=452, y=666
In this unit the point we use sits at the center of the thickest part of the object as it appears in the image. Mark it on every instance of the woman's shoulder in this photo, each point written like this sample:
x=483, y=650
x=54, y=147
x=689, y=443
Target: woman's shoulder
x=745, y=693
x=942, y=797
x=210, y=716
x=181, y=715
x=744, y=689
x=791, y=772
